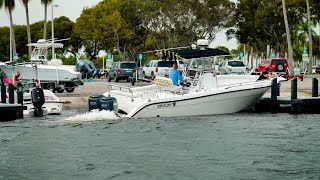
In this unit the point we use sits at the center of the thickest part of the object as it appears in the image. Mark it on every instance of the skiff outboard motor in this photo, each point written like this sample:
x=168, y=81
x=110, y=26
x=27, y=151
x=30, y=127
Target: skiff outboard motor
x=93, y=101
x=37, y=97
x=98, y=101
x=108, y=103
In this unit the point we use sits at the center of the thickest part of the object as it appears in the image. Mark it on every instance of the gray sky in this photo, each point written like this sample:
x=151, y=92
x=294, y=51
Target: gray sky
x=73, y=9
x=68, y=8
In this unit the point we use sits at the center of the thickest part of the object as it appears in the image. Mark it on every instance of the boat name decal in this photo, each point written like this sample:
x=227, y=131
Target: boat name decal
x=166, y=105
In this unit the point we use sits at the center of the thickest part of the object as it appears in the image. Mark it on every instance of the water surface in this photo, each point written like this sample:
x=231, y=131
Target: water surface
x=236, y=146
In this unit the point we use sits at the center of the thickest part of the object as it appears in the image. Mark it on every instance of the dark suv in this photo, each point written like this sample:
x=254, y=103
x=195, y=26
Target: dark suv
x=274, y=65
x=318, y=69
x=121, y=70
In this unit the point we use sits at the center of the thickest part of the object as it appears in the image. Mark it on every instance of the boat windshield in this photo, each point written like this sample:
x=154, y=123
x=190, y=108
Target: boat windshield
x=201, y=64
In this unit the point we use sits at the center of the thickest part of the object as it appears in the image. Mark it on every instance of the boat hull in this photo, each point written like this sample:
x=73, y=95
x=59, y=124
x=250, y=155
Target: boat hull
x=217, y=103
x=62, y=73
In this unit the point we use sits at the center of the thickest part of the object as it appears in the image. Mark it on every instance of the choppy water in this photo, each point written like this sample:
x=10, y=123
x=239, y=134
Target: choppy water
x=237, y=146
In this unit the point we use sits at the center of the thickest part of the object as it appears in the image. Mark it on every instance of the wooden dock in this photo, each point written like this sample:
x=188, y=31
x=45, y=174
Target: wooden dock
x=290, y=104
x=10, y=110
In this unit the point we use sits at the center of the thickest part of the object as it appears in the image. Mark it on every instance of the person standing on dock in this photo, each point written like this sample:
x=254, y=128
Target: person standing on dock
x=17, y=79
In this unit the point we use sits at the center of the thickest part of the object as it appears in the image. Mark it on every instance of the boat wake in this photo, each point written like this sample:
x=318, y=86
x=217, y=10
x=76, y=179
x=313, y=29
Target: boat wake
x=94, y=115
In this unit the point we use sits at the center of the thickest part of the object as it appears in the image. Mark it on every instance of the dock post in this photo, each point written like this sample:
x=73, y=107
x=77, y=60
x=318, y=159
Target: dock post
x=3, y=93
x=274, y=94
x=294, y=96
x=315, y=87
x=11, y=94
x=20, y=98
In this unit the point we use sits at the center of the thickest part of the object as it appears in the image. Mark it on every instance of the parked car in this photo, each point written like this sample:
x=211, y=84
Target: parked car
x=156, y=68
x=274, y=65
x=318, y=69
x=121, y=70
x=232, y=66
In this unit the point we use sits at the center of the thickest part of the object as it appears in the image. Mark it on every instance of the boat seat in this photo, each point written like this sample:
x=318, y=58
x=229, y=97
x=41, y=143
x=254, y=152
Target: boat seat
x=166, y=84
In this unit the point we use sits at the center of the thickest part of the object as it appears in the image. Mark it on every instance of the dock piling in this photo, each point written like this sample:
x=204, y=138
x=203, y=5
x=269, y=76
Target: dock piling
x=3, y=93
x=11, y=93
x=274, y=94
x=315, y=87
x=294, y=96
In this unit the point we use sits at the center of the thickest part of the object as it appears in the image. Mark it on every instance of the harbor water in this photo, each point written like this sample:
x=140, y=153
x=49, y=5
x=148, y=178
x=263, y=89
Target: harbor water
x=99, y=145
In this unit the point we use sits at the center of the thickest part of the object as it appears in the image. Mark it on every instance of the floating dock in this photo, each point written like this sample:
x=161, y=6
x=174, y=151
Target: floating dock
x=290, y=104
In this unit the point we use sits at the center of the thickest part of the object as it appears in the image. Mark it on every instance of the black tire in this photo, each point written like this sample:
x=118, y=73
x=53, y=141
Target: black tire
x=152, y=76
x=143, y=74
x=51, y=87
x=83, y=75
x=109, y=79
x=115, y=78
x=60, y=90
x=69, y=90
x=280, y=68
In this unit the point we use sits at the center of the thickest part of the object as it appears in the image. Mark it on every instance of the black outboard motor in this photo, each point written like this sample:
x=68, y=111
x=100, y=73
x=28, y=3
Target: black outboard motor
x=93, y=101
x=108, y=103
x=87, y=68
x=37, y=97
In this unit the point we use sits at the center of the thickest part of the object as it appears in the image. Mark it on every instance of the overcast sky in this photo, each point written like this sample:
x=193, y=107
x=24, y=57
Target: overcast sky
x=73, y=9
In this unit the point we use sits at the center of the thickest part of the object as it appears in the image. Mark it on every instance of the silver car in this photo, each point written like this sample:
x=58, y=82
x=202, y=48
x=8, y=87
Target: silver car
x=232, y=66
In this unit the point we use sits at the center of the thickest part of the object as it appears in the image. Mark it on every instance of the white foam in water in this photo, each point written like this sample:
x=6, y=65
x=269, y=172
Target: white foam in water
x=94, y=115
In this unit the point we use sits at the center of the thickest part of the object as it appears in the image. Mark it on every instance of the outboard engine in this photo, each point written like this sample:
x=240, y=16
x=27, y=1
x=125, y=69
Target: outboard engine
x=108, y=103
x=93, y=101
x=37, y=97
x=85, y=68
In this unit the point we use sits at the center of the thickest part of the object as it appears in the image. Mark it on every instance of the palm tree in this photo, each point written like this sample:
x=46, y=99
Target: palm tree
x=1, y=3
x=301, y=32
x=290, y=52
x=26, y=7
x=9, y=5
x=310, y=39
x=46, y=3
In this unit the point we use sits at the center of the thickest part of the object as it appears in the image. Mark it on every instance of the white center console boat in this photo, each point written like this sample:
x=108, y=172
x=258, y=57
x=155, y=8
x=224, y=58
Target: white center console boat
x=53, y=74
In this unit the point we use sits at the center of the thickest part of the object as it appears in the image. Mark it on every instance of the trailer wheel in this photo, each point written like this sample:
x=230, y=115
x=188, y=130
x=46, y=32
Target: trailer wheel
x=69, y=90
x=51, y=86
x=60, y=90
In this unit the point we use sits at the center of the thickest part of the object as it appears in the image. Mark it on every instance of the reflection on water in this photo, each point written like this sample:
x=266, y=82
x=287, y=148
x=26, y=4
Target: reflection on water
x=102, y=146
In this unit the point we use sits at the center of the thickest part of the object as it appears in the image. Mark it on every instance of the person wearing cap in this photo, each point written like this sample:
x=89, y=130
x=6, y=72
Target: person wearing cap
x=175, y=75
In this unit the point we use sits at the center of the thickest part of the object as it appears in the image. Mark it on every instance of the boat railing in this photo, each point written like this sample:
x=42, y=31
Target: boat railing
x=13, y=64
x=243, y=84
x=120, y=88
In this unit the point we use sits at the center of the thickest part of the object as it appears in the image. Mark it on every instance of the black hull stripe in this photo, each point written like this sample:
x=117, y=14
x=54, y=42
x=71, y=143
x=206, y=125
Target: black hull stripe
x=197, y=98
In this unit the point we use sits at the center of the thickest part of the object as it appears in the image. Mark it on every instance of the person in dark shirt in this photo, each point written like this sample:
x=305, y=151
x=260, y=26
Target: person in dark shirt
x=265, y=75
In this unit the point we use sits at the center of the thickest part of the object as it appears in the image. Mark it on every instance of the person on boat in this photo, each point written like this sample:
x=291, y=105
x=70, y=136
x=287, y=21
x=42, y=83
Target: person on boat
x=175, y=75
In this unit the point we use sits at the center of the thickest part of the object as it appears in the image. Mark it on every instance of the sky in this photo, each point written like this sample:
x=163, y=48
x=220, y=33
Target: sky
x=72, y=9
